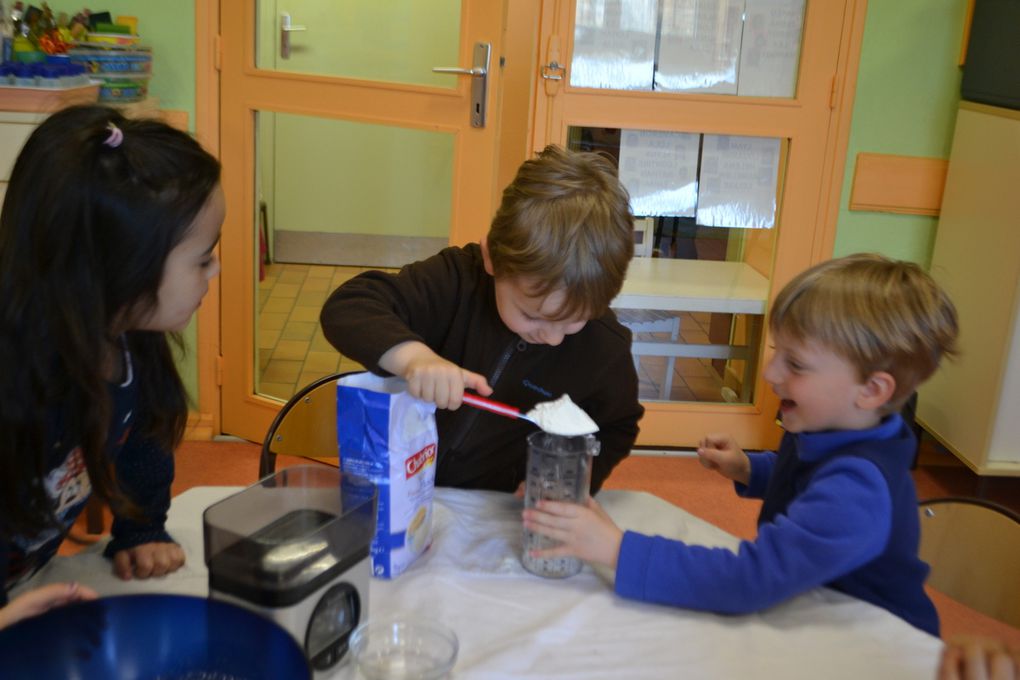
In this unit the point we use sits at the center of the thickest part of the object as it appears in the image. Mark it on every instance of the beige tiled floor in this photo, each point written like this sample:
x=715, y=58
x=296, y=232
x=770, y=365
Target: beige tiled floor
x=291, y=348
x=292, y=351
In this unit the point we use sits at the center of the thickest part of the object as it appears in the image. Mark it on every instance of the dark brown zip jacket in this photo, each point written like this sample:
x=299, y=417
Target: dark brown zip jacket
x=448, y=302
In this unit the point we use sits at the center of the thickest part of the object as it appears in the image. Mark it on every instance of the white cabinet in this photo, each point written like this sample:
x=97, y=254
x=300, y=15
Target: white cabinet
x=972, y=405
x=15, y=127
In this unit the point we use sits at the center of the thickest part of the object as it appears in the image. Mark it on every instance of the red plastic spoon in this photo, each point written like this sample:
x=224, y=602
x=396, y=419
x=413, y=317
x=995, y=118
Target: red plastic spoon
x=496, y=407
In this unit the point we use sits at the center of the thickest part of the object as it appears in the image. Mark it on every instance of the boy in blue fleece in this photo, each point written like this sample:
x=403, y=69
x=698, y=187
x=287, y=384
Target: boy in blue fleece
x=854, y=337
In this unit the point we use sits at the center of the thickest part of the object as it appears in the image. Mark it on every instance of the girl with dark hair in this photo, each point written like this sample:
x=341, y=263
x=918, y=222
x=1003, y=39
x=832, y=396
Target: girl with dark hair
x=106, y=250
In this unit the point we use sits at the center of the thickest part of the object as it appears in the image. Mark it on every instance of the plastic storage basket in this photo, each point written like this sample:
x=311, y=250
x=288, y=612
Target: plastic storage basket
x=124, y=88
x=113, y=61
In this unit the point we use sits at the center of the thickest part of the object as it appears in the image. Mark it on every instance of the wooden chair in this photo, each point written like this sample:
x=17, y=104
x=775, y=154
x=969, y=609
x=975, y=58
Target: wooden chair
x=973, y=547
x=305, y=427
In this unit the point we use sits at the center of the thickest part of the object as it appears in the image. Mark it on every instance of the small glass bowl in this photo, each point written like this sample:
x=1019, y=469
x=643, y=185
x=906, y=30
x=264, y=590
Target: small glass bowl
x=403, y=649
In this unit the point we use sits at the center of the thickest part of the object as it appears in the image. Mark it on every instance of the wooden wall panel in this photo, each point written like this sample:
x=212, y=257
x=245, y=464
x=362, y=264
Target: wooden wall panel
x=898, y=184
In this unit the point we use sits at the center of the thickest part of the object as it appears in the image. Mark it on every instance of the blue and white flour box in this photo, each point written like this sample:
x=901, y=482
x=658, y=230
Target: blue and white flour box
x=390, y=438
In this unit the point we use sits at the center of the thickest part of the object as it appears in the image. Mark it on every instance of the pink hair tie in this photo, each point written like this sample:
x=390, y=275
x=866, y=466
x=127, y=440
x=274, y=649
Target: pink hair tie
x=115, y=138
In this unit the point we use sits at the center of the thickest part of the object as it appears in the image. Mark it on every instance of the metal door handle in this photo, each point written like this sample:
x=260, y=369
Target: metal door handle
x=286, y=28
x=459, y=71
x=479, y=73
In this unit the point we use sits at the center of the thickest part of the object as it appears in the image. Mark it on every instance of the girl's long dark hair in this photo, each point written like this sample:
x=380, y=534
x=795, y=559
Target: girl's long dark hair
x=85, y=230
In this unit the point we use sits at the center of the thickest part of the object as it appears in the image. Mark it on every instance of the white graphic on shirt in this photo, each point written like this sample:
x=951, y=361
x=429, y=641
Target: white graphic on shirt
x=68, y=485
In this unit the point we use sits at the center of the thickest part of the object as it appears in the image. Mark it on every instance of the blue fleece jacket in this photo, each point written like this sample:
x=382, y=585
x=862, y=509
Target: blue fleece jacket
x=844, y=514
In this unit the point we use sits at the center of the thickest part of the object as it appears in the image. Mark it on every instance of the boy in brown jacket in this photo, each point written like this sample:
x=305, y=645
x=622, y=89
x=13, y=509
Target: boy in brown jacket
x=522, y=318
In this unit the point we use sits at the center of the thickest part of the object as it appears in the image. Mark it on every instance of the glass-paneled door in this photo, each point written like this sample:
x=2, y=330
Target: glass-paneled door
x=726, y=119
x=343, y=150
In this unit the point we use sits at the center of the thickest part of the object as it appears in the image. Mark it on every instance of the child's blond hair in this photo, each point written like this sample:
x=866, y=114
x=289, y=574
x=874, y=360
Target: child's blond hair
x=565, y=223
x=877, y=313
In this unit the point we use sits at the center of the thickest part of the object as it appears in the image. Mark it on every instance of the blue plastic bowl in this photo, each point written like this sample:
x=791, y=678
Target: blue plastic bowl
x=171, y=637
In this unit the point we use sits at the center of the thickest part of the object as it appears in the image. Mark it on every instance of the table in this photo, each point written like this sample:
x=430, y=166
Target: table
x=694, y=286
x=512, y=624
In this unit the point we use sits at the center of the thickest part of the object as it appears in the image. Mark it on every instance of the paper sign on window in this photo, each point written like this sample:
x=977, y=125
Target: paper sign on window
x=738, y=181
x=659, y=170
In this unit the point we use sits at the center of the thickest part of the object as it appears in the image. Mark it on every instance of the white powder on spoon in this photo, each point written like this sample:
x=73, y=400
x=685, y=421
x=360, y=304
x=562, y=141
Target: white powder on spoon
x=562, y=417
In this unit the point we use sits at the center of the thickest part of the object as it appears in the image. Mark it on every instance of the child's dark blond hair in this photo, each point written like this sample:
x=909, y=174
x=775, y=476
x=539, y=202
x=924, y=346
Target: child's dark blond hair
x=877, y=313
x=565, y=223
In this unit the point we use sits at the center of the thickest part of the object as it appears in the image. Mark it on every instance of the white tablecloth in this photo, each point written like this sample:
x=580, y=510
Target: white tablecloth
x=512, y=624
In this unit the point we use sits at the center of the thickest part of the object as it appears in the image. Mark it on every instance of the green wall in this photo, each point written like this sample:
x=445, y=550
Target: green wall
x=908, y=88
x=338, y=176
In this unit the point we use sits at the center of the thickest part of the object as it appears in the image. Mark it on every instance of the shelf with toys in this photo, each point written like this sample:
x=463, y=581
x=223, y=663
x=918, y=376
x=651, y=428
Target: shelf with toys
x=51, y=61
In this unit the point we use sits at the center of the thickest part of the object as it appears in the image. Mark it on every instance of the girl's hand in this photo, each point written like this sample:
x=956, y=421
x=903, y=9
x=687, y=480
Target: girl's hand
x=148, y=560
x=976, y=658
x=584, y=531
x=43, y=599
x=720, y=452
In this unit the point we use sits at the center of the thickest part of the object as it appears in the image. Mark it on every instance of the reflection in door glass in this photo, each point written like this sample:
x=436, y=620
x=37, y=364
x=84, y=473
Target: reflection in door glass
x=699, y=46
x=397, y=41
x=695, y=293
x=747, y=48
x=614, y=44
x=335, y=198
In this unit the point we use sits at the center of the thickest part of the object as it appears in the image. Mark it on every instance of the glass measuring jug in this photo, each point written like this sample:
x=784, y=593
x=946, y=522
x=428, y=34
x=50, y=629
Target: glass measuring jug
x=559, y=469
